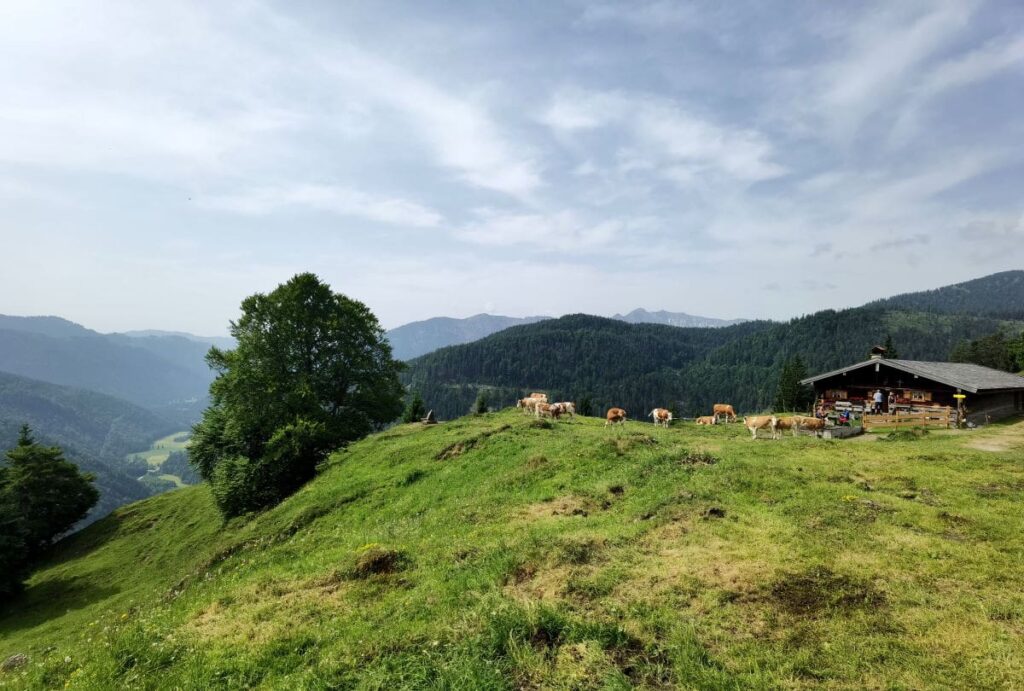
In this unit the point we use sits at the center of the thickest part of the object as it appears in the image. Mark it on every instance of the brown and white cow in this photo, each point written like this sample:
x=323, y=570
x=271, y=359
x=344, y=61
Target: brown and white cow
x=615, y=416
x=784, y=423
x=529, y=405
x=539, y=396
x=814, y=424
x=726, y=410
x=661, y=416
x=758, y=422
x=707, y=420
x=542, y=409
x=568, y=408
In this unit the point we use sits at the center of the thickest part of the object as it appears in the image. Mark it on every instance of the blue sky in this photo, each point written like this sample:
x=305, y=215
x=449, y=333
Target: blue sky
x=160, y=161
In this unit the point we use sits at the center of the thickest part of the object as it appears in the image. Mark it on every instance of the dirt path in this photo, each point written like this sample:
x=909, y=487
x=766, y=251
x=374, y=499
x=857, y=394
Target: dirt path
x=1002, y=438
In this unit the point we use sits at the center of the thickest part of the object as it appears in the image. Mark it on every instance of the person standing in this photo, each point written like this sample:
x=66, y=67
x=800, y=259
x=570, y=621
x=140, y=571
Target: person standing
x=878, y=402
x=891, y=405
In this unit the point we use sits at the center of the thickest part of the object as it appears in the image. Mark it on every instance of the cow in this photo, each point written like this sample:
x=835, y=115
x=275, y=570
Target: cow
x=814, y=424
x=661, y=416
x=784, y=423
x=726, y=410
x=707, y=420
x=529, y=405
x=556, y=410
x=760, y=422
x=542, y=409
x=539, y=397
x=568, y=408
x=615, y=416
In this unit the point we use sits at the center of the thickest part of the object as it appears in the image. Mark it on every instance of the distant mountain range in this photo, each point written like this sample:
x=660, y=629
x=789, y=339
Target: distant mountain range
x=165, y=373
x=680, y=319
x=416, y=338
x=422, y=337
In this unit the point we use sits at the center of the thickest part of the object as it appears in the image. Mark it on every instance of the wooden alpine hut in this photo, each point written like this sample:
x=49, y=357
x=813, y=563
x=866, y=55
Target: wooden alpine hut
x=969, y=393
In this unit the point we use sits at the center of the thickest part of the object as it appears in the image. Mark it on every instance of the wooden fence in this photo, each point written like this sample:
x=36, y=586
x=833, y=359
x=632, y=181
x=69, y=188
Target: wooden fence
x=935, y=417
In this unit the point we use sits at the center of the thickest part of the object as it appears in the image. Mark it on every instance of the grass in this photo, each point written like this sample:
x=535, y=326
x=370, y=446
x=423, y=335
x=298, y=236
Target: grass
x=490, y=552
x=161, y=449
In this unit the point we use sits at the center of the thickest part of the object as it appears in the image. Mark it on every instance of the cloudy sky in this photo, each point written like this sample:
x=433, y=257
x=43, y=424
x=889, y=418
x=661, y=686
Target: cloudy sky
x=160, y=161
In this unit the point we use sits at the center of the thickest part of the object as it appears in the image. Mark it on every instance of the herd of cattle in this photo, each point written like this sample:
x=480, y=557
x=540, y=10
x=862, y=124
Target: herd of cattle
x=537, y=404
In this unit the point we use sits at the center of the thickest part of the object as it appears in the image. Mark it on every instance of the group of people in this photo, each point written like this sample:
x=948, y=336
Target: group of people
x=876, y=403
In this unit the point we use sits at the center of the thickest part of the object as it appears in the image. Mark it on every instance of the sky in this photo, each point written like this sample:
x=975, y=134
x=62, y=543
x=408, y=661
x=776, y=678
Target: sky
x=159, y=161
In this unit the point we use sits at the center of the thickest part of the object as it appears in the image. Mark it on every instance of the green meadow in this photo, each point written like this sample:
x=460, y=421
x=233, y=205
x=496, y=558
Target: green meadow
x=498, y=551
x=162, y=448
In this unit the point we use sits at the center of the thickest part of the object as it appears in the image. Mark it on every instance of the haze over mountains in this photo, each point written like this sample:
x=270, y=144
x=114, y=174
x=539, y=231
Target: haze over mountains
x=421, y=337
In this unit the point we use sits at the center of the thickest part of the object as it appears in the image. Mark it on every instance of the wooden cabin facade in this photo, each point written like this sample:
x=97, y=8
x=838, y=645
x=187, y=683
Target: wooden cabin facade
x=980, y=393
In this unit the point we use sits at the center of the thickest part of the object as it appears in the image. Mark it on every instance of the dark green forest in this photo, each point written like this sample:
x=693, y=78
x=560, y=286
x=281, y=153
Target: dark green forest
x=639, y=367
x=998, y=295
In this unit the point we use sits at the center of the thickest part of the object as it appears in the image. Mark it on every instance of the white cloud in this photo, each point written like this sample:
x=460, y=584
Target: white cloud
x=329, y=198
x=664, y=134
x=652, y=14
x=958, y=72
x=461, y=133
x=563, y=230
x=886, y=50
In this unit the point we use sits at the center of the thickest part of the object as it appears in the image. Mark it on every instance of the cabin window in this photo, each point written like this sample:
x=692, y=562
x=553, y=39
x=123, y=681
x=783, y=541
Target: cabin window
x=920, y=396
x=836, y=394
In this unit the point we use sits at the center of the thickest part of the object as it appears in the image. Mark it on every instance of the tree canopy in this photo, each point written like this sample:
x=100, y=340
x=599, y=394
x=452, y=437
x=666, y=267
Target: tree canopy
x=41, y=497
x=311, y=371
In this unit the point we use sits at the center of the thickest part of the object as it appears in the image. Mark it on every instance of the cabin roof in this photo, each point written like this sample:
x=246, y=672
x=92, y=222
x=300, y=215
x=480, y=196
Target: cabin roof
x=962, y=375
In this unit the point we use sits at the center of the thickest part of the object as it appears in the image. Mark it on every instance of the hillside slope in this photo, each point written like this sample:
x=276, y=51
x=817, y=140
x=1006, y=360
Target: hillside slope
x=998, y=295
x=158, y=372
x=572, y=358
x=96, y=432
x=493, y=552
x=417, y=338
x=680, y=319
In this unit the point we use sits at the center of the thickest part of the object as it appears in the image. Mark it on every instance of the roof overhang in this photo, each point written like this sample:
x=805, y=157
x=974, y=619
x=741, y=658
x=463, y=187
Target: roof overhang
x=909, y=367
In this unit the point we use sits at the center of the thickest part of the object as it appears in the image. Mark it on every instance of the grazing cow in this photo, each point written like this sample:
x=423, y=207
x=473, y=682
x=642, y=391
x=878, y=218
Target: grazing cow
x=707, y=420
x=760, y=422
x=661, y=416
x=615, y=416
x=568, y=408
x=542, y=409
x=814, y=424
x=784, y=423
x=539, y=397
x=529, y=405
x=726, y=410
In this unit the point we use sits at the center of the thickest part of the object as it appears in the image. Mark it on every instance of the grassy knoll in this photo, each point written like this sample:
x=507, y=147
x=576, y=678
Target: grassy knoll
x=496, y=552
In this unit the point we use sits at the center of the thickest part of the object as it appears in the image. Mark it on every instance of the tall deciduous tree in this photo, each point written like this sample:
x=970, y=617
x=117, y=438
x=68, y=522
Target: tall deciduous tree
x=312, y=371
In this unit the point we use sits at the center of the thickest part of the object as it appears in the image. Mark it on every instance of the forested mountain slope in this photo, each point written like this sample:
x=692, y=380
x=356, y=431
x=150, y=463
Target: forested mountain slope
x=96, y=432
x=639, y=367
x=414, y=339
x=573, y=358
x=1000, y=295
x=155, y=372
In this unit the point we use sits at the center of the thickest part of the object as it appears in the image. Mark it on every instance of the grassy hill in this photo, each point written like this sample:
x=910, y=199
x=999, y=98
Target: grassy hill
x=498, y=552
